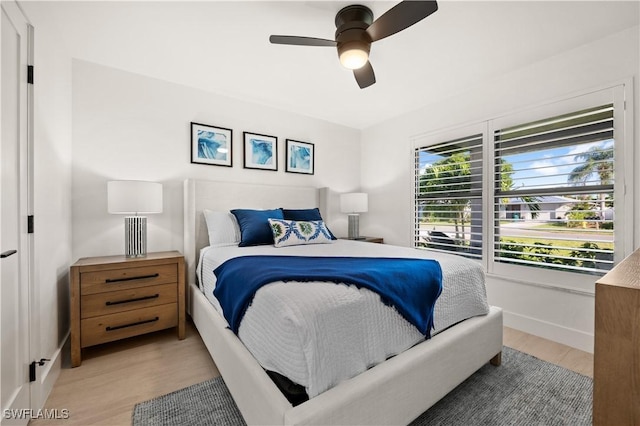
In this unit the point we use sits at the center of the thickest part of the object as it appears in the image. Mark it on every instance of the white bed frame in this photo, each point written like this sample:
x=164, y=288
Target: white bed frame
x=394, y=392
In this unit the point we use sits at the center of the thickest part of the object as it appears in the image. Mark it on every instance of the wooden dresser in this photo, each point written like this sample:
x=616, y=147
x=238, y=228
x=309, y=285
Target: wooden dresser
x=616, y=373
x=115, y=297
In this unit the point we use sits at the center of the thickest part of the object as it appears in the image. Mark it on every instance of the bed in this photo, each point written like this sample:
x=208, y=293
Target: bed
x=395, y=391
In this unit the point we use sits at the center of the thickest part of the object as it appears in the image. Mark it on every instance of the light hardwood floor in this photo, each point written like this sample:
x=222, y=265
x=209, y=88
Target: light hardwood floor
x=116, y=376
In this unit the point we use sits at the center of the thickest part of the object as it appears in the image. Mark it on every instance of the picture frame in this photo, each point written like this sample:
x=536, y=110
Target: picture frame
x=260, y=151
x=300, y=157
x=211, y=145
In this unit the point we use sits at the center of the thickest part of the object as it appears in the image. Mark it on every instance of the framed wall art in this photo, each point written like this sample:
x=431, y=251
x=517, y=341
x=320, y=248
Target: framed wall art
x=260, y=151
x=211, y=145
x=300, y=157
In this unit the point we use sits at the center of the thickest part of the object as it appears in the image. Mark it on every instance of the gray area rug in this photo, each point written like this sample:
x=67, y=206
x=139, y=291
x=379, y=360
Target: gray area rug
x=522, y=391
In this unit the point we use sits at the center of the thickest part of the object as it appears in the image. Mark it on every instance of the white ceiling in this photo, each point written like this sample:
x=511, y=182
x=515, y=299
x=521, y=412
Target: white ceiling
x=223, y=47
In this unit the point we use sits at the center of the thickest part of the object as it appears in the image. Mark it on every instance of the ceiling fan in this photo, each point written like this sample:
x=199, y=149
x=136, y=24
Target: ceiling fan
x=356, y=30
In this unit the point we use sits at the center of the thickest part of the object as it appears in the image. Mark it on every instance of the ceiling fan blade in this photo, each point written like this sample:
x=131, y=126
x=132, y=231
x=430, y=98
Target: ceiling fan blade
x=400, y=17
x=365, y=75
x=301, y=41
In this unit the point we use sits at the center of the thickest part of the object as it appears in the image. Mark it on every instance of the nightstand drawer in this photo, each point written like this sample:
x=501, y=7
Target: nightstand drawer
x=112, y=327
x=125, y=300
x=127, y=278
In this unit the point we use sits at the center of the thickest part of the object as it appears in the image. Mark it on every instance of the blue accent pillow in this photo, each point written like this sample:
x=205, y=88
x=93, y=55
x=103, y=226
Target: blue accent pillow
x=306, y=215
x=254, y=226
x=302, y=214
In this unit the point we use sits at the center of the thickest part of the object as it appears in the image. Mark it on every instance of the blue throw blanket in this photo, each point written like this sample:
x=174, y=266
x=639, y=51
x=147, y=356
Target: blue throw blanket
x=410, y=285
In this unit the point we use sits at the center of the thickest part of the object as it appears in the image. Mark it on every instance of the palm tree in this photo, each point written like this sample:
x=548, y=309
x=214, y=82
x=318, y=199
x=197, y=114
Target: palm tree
x=597, y=160
x=506, y=184
x=449, y=176
x=453, y=175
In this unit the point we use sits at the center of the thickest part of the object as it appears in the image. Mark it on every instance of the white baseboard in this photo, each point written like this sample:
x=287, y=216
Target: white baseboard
x=48, y=374
x=565, y=335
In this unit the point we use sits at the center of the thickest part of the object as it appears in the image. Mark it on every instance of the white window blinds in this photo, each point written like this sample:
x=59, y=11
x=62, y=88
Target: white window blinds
x=553, y=192
x=448, y=196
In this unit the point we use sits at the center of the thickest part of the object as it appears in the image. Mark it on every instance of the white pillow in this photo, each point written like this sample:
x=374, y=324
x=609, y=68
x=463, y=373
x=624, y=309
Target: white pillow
x=292, y=232
x=222, y=227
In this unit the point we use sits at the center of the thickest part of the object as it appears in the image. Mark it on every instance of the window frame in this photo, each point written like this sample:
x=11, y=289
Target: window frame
x=435, y=138
x=424, y=144
x=623, y=185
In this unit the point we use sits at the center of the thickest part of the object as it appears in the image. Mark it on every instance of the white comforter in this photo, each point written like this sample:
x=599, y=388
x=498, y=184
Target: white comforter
x=318, y=334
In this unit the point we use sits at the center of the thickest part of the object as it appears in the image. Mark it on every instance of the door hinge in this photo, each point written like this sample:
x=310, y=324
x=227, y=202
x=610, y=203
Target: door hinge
x=30, y=74
x=30, y=224
x=32, y=368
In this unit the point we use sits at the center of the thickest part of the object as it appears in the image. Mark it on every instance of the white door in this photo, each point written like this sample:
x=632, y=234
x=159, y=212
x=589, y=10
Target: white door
x=15, y=247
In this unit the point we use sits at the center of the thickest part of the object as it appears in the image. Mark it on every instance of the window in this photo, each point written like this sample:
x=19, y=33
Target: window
x=449, y=196
x=540, y=189
x=553, y=192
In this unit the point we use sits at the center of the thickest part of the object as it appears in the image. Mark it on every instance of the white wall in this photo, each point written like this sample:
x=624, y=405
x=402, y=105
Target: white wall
x=387, y=168
x=128, y=126
x=52, y=195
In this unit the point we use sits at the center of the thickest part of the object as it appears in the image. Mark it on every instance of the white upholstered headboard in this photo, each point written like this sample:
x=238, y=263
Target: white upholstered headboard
x=224, y=196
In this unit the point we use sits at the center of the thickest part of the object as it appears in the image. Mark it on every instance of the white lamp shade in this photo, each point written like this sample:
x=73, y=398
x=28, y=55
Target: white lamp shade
x=355, y=202
x=134, y=196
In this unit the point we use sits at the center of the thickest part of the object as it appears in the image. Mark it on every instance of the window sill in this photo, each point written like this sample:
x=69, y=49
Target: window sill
x=556, y=280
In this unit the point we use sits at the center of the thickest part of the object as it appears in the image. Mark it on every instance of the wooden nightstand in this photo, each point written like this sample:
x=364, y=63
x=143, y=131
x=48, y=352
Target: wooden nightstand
x=378, y=240
x=114, y=297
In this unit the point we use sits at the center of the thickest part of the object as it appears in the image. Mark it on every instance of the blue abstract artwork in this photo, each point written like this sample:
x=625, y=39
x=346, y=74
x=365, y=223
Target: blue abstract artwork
x=260, y=151
x=300, y=157
x=211, y=145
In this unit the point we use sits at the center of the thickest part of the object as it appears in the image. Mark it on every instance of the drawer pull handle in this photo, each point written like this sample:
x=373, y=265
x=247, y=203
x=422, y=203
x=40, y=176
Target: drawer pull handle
x=118, y=327
x=137, y=299
x=141, y=277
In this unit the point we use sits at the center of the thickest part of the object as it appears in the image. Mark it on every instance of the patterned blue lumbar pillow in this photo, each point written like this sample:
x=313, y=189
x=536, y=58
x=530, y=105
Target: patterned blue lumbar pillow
x=292, y=232
x=306, y=215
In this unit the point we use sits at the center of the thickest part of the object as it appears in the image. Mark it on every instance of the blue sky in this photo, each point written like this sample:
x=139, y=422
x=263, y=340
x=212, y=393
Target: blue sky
x=544, y=168
x=551, y=167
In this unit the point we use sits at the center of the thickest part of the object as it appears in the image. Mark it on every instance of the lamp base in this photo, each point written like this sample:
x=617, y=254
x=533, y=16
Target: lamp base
x=135, y=236
x=354, y=225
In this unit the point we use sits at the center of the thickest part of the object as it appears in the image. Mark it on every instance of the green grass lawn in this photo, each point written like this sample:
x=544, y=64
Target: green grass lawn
x=569, y=245
x=562, y=228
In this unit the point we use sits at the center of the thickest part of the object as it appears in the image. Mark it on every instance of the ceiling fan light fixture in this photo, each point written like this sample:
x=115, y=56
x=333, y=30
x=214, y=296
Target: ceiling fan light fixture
x=356, y=30
x=353, y=55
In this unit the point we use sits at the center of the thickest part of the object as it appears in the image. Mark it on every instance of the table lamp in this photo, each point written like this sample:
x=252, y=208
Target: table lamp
x=134, y=197
x=353, y=204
